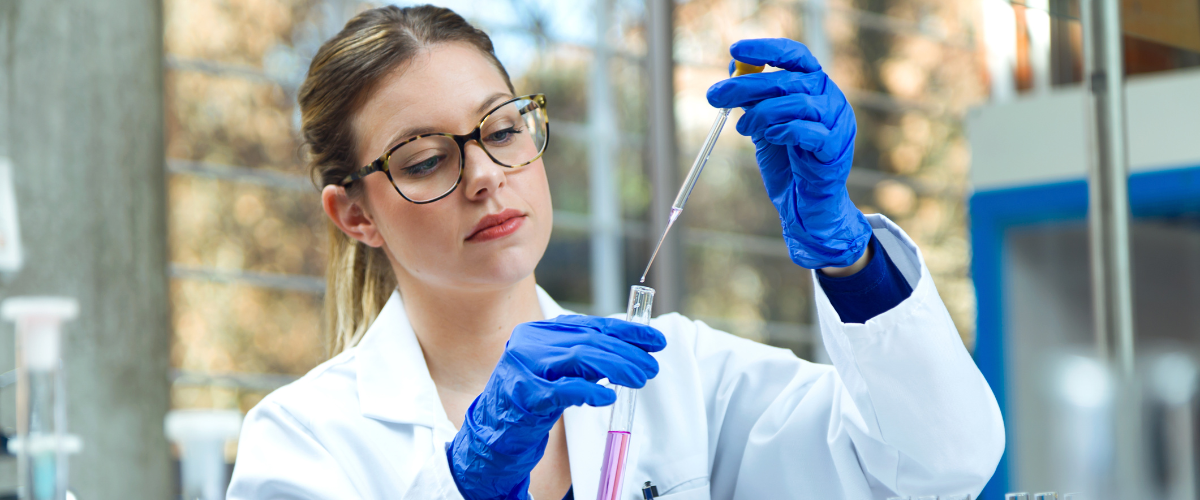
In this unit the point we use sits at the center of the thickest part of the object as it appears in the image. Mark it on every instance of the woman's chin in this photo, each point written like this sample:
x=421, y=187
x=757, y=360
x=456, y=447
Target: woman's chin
x=500, y=273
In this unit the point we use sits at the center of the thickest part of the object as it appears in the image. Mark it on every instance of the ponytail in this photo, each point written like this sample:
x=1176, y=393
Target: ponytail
x=359, y=282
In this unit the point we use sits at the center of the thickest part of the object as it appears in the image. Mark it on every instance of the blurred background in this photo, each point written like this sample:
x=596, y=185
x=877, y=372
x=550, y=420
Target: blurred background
x=158, y=179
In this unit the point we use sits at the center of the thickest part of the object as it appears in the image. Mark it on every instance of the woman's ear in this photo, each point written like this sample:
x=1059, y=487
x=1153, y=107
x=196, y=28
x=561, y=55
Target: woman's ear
x=350, y=216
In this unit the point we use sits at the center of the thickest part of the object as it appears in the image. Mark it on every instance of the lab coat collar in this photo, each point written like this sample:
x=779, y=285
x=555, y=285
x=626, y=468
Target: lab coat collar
x=394, y=384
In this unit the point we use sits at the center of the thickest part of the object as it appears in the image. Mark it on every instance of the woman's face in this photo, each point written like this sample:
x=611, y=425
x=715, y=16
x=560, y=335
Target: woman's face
x=493, y=229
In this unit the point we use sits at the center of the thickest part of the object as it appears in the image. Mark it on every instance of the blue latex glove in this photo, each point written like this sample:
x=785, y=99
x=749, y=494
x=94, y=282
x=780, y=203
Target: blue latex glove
x=547, y=366
x=803, y=130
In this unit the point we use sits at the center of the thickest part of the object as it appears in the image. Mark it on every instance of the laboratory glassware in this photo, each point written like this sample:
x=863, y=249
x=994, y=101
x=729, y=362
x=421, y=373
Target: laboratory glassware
x=620, y=427
x=1017, y=496
x=1172, y=382
x=698, y=165
x=42, y=444
x=200, y=436
x=1046, y=495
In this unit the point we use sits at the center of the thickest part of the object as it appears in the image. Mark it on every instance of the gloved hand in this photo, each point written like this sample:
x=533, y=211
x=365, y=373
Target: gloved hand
x=803, y=130
x=546, y=367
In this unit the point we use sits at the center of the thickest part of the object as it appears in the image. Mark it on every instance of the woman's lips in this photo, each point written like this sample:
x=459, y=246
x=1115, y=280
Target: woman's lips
x=497, y=226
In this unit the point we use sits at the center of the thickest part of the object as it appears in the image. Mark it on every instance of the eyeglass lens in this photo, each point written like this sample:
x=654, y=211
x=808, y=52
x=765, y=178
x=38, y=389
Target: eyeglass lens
x=428, y=167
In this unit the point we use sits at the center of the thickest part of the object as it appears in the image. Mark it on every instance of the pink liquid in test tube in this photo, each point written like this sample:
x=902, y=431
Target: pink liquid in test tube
x=612, y=475
x=616, y=448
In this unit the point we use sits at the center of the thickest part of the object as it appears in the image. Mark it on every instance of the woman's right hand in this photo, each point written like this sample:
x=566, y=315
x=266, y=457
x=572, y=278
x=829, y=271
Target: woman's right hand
x=547, y=366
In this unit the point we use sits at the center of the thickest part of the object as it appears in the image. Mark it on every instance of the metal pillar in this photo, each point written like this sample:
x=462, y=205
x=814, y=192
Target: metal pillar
x=604, y=200
x=816, y=37
x=83, y=87
x=8, y=468
x=665, y=277
x=1108, y=210
x=1108, y=224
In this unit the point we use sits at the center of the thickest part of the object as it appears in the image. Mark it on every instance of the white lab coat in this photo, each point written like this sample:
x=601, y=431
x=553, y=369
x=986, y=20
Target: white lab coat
x=903, y=410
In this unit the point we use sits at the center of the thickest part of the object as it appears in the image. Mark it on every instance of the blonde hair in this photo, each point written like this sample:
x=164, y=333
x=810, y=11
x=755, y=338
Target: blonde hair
x=340, y=79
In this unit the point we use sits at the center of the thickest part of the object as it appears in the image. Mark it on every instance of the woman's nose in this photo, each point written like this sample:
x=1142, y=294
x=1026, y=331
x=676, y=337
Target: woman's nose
x=482, y=177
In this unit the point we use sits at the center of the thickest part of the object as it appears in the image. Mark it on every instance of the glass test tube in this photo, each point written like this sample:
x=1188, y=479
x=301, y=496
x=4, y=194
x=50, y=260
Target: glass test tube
x=201, y=436
x=616, y=448
x=42, y=444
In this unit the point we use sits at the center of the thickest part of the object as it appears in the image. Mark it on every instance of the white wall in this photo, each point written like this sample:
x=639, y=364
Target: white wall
x=1043, y=138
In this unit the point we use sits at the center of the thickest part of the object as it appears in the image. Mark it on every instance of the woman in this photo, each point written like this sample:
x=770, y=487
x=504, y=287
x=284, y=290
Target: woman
x=459, y=378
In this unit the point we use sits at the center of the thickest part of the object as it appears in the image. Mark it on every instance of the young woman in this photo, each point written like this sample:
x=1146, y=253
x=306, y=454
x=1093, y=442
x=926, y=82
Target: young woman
x=458, y=377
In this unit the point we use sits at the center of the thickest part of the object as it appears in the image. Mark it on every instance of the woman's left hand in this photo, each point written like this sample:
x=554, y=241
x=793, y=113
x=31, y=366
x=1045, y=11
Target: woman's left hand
x=803, y=129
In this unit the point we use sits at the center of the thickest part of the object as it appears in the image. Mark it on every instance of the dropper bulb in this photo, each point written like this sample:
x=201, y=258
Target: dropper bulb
x=741, y=68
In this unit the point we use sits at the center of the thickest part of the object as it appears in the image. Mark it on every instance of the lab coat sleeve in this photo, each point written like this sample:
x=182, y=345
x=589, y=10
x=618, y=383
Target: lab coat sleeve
x=280, y=458
x=905, y=411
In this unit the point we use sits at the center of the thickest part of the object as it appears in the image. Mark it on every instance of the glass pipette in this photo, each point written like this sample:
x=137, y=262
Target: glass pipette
x=702, y=158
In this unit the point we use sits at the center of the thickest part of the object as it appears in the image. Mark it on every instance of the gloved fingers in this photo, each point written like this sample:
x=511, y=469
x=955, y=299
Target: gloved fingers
x=845, y=130
x=645, y=337
x=810, y=136
x=628, y=366
x=747, y=90
x=625, y=352
x=776, y=172
x=785, y=109
x=778, y=52
x=569, y=392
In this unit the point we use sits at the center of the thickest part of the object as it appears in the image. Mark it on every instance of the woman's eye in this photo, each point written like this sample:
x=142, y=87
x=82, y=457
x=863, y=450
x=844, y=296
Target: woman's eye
x=423, y=168
x=502, y=136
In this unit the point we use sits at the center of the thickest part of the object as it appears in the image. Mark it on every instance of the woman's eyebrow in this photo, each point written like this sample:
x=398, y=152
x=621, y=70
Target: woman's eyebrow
x=407, y=133
x=487, y=103
x=415, y=131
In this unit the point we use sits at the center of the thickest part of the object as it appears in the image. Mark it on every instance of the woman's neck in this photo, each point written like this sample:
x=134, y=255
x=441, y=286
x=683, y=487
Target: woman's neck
x=463, y=332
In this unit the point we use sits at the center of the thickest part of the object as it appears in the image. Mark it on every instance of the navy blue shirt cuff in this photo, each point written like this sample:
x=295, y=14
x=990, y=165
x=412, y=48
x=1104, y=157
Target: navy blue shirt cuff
x=870, y=292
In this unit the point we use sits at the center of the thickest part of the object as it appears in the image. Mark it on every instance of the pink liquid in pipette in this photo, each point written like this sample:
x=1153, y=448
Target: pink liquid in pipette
x=612, y=473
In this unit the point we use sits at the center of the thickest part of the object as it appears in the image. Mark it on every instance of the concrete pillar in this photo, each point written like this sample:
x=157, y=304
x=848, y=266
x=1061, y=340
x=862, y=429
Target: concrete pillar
x=81, y=105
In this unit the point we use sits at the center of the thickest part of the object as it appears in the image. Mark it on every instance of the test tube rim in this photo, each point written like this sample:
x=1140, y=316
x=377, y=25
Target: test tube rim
x=17, y=308
x=642, y=289
x=202, y=424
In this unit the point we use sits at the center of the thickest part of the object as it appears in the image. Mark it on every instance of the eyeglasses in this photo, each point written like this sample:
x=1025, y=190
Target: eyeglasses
x=428, y=167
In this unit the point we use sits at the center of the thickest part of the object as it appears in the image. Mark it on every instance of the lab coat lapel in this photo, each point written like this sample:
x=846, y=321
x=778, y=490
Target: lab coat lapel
x=393, y=381
x=586, y=428
x=394, y=385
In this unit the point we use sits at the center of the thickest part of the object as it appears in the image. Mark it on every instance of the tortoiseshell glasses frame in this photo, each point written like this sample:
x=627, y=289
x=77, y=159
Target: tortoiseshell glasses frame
x=536, y=104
